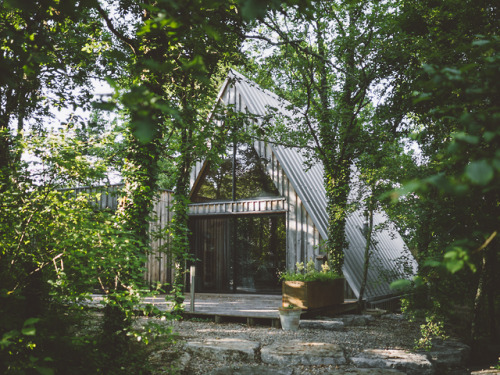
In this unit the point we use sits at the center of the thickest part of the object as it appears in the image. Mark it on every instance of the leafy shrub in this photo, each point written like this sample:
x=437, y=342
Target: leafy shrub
x=309, y=273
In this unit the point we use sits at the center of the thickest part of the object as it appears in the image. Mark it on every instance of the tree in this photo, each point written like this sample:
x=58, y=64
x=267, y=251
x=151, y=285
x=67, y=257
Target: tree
x=451, y=62
x=45, y=49
x=337, y=54
x=161, y=58
x=179, y=51
x=56, y=248
x=139, y=66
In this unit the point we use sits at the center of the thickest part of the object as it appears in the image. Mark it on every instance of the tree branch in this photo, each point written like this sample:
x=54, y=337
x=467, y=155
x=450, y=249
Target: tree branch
x=129, y=42
x=269, y=41
x=296, y=45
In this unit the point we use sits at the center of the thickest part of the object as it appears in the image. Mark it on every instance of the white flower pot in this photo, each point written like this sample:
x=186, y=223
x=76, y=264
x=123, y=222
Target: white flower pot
x=290, y=318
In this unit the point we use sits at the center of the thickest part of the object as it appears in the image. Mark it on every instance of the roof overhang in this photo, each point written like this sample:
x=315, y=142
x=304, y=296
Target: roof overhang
x=240, y=207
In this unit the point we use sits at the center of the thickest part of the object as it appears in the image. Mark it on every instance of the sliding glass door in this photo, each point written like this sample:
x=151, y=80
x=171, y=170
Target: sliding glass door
x=239, y=254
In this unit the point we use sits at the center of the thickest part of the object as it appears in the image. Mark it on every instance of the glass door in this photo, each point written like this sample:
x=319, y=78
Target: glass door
x=239, y=254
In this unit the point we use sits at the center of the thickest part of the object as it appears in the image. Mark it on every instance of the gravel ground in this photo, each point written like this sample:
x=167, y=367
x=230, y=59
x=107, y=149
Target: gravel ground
x=389, y=332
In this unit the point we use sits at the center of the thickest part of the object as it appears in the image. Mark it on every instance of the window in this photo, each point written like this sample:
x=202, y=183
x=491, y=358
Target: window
x=239, y=254
x=250, y=178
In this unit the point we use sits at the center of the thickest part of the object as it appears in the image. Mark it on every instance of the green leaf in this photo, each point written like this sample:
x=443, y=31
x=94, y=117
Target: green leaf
x=496, y=164
x=44, y=370
x=479, y=172
x=462, y=136
x=454, y=265
x=400, y=284
x=432, y=263
x=489, y=136
x=456, y=258
x=105, y=106
x=28, y=331
x=31, y=321
x=480, y=42
x=28, y=327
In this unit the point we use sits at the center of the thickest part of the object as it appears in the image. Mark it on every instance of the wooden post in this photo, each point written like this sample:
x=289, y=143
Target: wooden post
x=192, y=271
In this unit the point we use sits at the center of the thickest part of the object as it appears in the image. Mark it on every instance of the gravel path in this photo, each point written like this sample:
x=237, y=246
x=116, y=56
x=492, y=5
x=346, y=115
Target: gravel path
x=386, y=332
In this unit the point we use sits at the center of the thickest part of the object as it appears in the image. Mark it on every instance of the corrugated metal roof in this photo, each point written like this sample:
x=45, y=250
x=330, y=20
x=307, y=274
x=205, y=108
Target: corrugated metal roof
x=308, y=183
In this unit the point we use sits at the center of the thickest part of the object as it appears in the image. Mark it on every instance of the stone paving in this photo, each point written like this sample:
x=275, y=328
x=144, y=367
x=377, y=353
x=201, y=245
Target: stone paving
x=410, y=363
x=447, y=357
x=303, y=353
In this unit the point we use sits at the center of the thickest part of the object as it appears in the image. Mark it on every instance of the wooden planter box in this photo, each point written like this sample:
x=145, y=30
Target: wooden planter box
x=313, y=294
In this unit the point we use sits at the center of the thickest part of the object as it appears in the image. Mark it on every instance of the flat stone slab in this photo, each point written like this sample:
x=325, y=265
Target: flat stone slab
x=328, y=325
x=366, y=371
x=177, y=360
x=356, y=320
x=252, y=370
x=224, y=349
x=400, y=317
x=410, y=363
x=303, y=353
x=449, y=354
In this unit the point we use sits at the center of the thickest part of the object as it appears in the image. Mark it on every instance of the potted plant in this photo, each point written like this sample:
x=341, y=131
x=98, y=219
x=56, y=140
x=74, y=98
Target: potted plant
x=290, y=317
x=309, y=288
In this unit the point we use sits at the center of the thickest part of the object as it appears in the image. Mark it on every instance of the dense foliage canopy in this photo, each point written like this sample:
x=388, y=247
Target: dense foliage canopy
x=406, y=91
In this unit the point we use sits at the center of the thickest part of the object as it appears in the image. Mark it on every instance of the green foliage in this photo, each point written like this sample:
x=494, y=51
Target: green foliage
x=42, y=77
x=436, y=65
x=497, y=366
x=309, y=273
x=467, y=176
x=336, y=72
x=432, y=329
x=56, y=249
x=163, y=61
x=447, y=94
x=179, y=234
x=432, y=320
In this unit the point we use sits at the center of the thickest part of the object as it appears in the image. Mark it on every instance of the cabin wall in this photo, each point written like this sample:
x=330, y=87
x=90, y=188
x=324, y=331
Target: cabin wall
x=303, y=238
x=103, y=197
x=158, y=267
x=304, y=242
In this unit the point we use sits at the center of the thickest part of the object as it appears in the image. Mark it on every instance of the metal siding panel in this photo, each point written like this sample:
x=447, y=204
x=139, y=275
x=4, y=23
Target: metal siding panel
x=308, y=185
x=292, y=230
x=310, y=238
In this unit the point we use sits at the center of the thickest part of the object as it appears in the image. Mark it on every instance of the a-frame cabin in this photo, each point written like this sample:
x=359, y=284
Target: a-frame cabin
x=274, y=215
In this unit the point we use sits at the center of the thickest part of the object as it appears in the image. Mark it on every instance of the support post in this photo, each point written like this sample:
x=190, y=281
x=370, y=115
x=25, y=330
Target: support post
x=192, y=270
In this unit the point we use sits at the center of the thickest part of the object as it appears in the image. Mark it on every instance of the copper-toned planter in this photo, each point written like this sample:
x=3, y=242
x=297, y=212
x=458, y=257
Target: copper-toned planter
x=313, y=294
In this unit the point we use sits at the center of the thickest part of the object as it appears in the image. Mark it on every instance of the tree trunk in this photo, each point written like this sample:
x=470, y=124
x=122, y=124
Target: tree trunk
x=180, y=243
x=337, y=190
x=368, y=236
x=478, y=300
x=491, y=291
x=336, y=169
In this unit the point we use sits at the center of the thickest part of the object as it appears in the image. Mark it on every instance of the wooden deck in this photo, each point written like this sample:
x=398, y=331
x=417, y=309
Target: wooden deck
x=250, y=308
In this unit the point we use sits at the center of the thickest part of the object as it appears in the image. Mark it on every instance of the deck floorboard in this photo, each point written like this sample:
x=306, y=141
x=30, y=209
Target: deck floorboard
x=259, y=306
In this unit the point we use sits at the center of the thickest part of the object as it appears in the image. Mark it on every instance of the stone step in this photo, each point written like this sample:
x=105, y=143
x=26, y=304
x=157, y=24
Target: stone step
x=448, y=357
x=366, y=371
x=303, y=353
x=225, y=349
x=329, y=325
x=252, y=370
x=410, y=363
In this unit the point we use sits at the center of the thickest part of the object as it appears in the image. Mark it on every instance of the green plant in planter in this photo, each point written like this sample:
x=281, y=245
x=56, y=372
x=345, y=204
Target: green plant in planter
x=309, y=273
x=290, y=317
x=290, y=306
